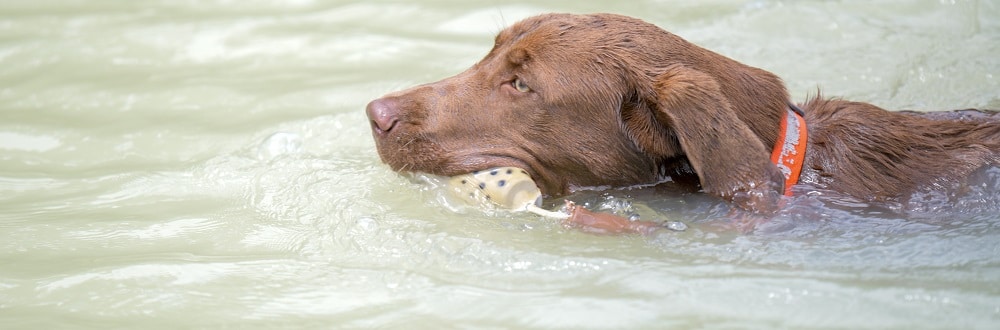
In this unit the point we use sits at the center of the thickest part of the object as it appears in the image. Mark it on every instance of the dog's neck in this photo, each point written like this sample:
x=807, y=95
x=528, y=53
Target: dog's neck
x=790, y=149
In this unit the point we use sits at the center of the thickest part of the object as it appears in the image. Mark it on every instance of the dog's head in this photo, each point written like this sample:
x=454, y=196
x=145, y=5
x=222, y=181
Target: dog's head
x=589, y=100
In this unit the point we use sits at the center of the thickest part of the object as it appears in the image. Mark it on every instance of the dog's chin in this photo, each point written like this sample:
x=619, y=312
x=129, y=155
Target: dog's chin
x=424, y=156
x=477, y=164
x=469, y=165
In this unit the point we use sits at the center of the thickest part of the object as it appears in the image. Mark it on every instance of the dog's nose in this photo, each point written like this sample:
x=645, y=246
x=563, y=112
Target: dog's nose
x=384, y=114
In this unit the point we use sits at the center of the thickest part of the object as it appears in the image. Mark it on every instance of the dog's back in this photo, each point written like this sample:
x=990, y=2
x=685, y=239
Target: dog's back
x=862, y=150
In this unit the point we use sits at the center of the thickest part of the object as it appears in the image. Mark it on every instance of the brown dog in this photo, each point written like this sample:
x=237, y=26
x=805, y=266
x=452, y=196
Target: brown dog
x=608, y=100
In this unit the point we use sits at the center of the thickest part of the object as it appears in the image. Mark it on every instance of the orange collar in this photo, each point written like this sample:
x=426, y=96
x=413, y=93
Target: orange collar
x=790, y=149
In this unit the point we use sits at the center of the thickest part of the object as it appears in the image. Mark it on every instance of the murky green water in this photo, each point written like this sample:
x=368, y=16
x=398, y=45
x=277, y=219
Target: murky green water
x=174, y=164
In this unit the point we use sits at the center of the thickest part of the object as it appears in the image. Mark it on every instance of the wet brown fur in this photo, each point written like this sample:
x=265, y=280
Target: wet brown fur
x=615, y=101
x=877, y=155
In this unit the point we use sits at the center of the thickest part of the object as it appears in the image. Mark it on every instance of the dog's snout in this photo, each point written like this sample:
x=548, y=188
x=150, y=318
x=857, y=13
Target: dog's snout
x=384, y=114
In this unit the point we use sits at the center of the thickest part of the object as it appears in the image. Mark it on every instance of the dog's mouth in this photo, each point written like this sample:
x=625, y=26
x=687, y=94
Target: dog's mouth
x=420, y=154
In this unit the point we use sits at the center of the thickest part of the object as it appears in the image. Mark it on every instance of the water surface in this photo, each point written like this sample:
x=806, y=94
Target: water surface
x=173, y=164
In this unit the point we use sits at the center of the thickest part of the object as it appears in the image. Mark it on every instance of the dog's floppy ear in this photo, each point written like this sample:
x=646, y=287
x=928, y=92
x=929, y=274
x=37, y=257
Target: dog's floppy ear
x=730, y=160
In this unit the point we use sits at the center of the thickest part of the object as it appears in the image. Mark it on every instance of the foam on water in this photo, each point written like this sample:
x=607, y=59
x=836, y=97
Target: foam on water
x=179, y=164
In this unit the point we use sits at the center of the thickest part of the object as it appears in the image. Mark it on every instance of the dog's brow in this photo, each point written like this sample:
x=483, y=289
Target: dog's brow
x=518, y=56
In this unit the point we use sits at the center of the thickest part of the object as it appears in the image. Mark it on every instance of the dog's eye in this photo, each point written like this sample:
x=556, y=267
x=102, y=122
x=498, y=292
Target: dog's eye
x=520, y=86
